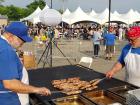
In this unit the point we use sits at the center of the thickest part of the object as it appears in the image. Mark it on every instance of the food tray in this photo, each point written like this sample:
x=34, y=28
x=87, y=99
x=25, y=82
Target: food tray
x=102, y=97
x=72, y=100
x=122, y=90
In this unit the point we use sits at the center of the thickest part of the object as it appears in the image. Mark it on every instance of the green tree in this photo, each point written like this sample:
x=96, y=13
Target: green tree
x=61, y=11
x=32, y=6
x=2, y=10
x=13, y=13
x=35, y=4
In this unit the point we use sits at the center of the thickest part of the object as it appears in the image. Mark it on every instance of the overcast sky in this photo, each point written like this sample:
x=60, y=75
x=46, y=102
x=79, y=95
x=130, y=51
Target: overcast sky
x=122, y=6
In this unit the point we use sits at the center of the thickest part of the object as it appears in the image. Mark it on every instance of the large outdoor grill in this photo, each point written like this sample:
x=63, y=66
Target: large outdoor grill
x=44, y=76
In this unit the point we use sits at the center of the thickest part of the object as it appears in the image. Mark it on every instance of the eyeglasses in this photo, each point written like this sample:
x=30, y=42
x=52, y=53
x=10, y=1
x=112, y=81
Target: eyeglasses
x=21, y=39
x=133, y=40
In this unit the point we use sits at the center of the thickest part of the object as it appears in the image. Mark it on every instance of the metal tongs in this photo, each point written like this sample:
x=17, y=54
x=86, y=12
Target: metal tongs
x=53, y=92
x=56, y=91
x=99, y=80
x=102, y=79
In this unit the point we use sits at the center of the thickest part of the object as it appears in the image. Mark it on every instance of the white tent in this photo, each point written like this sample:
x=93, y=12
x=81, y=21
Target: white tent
x=79, y=15
x=66, y=13
x=92, y=13
x=36, y=18
x=129, y=17
x=115, y=16
x=115, y=13
x=137, y=15
x=65, y=16
x=33, y=17
x=46, y=7
x=102, y=17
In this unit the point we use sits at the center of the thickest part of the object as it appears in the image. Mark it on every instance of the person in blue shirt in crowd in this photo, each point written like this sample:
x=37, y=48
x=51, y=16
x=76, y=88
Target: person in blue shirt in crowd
x=109, y=43
x=14, y=87
x=130, y=58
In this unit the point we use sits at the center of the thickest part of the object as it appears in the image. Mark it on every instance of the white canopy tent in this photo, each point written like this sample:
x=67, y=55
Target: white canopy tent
x=92, y=13
x=46, y=7
x=33, y=17
x=65, y=16
x=129, y=17
x=115, y=16
x=79, y=15
x=102, y=17
x=138, y=15
x=66, y=13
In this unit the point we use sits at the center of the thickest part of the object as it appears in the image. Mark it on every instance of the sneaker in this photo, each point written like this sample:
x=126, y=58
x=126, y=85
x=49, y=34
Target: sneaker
x=106, y=58
x=110, y=58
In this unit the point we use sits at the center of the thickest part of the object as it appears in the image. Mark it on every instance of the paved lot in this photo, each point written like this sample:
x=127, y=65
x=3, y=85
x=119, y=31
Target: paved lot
x=74, y=49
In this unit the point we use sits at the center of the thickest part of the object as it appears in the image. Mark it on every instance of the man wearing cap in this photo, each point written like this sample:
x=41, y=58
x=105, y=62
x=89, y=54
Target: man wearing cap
x=13, y=76
x=130, y=58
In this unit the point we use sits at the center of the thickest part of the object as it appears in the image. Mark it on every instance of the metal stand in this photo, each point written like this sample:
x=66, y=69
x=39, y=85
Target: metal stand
x=48, y=52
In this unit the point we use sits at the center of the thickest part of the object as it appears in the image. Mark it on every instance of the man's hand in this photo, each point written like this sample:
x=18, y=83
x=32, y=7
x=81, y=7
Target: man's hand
x=19, y=87
x=117, y=67
x=110, y=74
x=42, y=91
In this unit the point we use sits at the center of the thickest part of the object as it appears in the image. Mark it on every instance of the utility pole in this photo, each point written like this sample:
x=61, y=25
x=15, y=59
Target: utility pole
x=51, y=4
x=109, y=14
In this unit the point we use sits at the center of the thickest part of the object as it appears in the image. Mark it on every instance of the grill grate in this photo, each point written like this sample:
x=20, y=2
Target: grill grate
x=132, y=100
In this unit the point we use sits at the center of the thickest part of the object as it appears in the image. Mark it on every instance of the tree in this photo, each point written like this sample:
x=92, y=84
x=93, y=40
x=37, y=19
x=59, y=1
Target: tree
x=61, y=11
x=13, y=12
x=35, y=4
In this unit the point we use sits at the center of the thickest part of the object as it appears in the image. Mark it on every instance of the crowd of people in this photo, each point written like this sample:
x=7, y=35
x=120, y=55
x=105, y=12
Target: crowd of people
x=100, y=35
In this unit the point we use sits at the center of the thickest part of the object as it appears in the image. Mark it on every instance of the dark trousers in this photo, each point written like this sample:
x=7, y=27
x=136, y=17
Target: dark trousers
x=96, y=49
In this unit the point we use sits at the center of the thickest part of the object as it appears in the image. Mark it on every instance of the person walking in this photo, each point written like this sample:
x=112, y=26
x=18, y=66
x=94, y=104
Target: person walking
x=14, y=87
x=129, y=58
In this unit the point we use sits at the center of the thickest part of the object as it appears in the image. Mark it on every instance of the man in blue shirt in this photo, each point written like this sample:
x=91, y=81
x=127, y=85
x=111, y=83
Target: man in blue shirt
x=109, y=43
x=11, y=68
x=130, y=58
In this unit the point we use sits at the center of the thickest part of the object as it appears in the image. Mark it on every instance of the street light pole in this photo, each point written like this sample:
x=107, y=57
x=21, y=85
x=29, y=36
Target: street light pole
x=51, y=4
x=51, y=44
x=109, y=14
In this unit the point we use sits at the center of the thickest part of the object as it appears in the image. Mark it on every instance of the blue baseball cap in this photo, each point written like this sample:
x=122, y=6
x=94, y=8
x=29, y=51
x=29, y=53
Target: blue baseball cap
x=20, y=30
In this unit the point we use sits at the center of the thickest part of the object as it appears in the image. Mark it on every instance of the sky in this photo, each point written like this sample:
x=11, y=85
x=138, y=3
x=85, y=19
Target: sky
x=122, y=6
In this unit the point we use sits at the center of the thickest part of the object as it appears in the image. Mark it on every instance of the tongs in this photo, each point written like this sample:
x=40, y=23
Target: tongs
x=102, y=79
x=56, y=92
x=99, y=80
x=53, y=92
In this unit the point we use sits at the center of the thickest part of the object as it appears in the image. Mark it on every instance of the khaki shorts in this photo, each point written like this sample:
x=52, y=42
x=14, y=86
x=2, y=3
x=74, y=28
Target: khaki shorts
x=110, y=49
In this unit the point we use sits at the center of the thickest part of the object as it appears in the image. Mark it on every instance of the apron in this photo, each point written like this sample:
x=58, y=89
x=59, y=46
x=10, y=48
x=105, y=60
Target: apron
x=24, y=98
x=132, y=64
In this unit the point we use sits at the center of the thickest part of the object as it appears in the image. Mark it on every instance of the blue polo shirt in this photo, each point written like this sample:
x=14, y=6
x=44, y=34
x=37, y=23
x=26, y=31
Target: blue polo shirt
x=10, y=68
x=109, y=39
x=125, y=51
